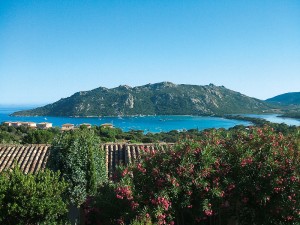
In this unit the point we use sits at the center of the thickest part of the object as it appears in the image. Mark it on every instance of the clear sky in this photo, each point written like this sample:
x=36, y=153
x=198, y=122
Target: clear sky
x=52, y=49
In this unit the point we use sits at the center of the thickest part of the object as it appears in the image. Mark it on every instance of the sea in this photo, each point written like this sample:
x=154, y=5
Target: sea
x=147, y=124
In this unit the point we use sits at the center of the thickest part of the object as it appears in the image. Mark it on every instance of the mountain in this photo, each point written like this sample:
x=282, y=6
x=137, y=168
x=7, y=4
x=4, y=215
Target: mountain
x=163, y=98
x=289, y=102
x=292, y=98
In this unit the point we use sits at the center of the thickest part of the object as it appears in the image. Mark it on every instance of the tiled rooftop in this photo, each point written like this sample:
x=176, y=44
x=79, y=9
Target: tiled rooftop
x=33, y=158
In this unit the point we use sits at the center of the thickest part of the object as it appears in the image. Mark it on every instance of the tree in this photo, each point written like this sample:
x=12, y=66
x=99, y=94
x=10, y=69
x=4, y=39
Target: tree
x=32, y=199
x=40, y=136
x=78, y=156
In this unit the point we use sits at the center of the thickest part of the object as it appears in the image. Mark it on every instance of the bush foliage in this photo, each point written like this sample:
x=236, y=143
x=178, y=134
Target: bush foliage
x=32, y=199
x=81, y=162
x=245, y=176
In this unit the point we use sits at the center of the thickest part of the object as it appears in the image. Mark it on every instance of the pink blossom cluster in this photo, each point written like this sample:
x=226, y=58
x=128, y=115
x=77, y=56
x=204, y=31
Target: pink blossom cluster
x=124, y=193
x=141, y=168
x=246, y=161
x=162, y=201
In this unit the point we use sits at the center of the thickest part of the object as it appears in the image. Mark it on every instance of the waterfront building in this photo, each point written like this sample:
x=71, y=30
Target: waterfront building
x=67, y=126
x=7, y=123
x=16, y=124
x=29, y=124
x=109, y=125
x=44, y=125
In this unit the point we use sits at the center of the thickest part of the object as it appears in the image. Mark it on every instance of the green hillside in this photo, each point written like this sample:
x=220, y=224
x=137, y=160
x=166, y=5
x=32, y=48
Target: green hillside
x=292, y=98
x=161, y=99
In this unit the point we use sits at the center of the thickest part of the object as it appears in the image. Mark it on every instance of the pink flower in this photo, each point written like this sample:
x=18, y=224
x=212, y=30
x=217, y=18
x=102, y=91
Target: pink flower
x=134, y=205
x=289, y=218
x=246, y=161
x=277, y=189
x=124, y=192
x=140, y=168
x=293, y=178
x=119, y=196
x=231, y=187
x=161, y=219
x=208, y=212
x=125, y=172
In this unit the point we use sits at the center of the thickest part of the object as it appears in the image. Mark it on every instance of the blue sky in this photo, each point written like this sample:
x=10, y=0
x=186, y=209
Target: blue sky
x=52, y=49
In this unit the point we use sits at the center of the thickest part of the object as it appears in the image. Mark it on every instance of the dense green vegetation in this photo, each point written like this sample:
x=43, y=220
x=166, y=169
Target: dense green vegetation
x=293, y=113
x=243, y=176
x=290, y=102
x=153, y=99
x=76, y=155
x=25, y=135
x=292, y=98
x=32, y=199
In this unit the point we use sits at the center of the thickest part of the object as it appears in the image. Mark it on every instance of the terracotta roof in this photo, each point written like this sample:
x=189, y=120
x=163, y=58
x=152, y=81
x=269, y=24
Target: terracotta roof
x=106, y=125
x=44, y=123
x=68, y=124
x=33, y=158
x=117, y=154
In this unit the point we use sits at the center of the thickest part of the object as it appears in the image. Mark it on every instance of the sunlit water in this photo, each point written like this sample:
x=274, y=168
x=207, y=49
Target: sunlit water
x=145, y=123
x=275, y=119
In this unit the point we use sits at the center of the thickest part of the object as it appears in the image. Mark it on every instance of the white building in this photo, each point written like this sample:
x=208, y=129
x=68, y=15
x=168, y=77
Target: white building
x=16, y=124
x=7, y=123
x=67, y=126
x=44, y=125
x=29, y=124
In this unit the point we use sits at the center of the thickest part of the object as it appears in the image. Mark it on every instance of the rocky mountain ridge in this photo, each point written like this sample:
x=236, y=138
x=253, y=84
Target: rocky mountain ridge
x=163, y=98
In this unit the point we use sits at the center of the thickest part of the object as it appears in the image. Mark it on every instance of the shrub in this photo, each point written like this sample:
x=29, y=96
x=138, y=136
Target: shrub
x=246, y=176
x=81, y=162
x=32, y=199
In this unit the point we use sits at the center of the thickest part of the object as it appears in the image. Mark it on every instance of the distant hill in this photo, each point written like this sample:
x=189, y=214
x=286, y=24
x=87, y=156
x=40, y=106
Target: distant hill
x=295, y=115
x=161, y=99
x=292, y=98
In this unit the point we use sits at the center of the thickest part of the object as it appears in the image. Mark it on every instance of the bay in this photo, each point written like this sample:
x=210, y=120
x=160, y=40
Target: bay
x=274, y=118
x=145, y=123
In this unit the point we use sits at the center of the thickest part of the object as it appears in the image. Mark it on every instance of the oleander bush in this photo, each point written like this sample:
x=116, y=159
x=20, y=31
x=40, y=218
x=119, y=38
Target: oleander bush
x=245, y=176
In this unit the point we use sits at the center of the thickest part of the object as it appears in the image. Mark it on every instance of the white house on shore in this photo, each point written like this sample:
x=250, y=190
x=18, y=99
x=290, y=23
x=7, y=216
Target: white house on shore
x=29, y=124
x=7, y=123
x=107, y=125
x=16, y=124
x=67, y=126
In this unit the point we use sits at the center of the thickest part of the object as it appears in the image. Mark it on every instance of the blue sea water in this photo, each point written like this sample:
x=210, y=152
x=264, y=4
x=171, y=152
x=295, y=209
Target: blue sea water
x=145, y=123
x=274, y=118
